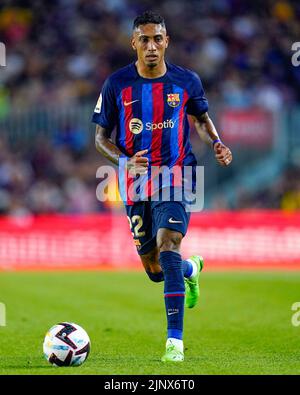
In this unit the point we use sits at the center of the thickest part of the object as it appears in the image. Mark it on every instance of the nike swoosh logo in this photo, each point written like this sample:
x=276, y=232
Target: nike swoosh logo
x=173, y=221
x=173, y=312
x=129, y=102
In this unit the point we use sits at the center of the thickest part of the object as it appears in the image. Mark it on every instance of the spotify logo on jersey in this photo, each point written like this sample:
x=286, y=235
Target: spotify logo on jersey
x=136, y=125
x=168, y=124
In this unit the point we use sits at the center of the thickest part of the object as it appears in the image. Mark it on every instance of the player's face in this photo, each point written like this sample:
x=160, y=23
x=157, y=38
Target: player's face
x=150, y=41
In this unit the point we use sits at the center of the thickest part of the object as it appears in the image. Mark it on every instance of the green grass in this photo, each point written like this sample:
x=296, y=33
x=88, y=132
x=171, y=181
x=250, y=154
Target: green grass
x=241, y=326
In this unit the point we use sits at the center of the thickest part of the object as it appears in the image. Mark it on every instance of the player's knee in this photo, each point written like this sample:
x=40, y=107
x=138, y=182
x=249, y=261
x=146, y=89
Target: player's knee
x=150, y=261
x=169, y=241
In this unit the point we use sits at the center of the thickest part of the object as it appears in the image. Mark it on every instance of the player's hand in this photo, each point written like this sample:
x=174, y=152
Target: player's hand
x=223, y=154
x=138, y=164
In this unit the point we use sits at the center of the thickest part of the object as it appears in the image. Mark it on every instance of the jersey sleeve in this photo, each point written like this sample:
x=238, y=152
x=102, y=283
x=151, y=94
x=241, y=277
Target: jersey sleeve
x=197, y=103
x=105, y=112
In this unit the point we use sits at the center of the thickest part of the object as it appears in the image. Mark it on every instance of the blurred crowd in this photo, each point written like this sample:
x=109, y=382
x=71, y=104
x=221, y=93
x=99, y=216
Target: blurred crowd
x=56, y=176
x=47, y=178
x=283, y=194
x=62, y=50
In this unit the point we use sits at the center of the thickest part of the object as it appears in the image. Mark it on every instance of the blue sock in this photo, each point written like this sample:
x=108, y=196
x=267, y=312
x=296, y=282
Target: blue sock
x=171, y=264
x=187, y=268
x=156, y=277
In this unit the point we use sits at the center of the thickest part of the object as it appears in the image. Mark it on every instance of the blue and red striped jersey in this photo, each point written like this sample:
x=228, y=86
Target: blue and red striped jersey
x=152, y=113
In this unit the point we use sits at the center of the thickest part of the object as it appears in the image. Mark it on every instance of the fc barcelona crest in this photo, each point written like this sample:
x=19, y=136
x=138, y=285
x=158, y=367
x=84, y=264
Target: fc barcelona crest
x=173, y=99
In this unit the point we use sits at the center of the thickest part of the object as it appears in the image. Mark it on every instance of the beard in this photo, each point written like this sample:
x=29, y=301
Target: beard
x=152, y=65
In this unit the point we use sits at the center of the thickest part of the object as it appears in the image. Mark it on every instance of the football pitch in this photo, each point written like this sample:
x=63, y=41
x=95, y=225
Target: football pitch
x=242, y=324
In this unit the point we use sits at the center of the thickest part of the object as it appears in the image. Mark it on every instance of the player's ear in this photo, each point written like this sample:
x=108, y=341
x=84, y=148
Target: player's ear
x=167, y=41
x=133, y=43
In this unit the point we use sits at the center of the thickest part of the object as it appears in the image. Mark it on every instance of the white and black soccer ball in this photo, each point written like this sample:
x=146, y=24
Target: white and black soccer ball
x=66, y=344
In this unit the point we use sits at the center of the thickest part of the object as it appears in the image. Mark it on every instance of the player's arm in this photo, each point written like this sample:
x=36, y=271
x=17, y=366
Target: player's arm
x=137, y=164
x=105, y=145
x=208, y=133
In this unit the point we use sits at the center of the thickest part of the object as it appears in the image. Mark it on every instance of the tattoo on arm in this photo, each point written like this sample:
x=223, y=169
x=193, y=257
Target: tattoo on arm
x=205, y=128
x=105, y=146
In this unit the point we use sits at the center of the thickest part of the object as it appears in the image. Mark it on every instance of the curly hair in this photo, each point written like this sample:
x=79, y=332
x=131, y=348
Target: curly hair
x=148, y=17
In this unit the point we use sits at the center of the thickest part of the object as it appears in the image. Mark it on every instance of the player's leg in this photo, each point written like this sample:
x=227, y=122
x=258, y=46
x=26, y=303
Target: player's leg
x=150, y=261
x=152, y=266
x=140, y=221
x=170, y=220
x=190, y=267
x=168, y=243
x=173, y=216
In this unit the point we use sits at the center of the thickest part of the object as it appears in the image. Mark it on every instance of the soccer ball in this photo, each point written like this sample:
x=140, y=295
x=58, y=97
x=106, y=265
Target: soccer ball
x=66, y=344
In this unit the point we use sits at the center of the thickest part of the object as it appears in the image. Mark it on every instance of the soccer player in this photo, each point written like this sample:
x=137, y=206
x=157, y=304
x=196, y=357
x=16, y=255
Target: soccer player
x=148, y=101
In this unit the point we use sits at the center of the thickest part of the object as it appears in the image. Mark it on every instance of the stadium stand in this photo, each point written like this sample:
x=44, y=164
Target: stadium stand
x=59, y=52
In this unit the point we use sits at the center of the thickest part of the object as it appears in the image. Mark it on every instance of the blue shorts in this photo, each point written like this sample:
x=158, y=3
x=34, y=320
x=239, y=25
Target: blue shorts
x=146, y=217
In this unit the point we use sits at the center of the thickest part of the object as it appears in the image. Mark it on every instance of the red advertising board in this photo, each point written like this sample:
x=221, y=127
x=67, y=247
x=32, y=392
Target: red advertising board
x=251, y=127
x=241, y=240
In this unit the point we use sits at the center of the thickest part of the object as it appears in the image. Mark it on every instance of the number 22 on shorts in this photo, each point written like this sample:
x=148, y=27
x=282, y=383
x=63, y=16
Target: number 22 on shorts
x=135, y=223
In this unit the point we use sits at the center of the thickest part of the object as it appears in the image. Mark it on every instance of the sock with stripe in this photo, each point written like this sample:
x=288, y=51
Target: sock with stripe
x=174, y=292
x=189, y=268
